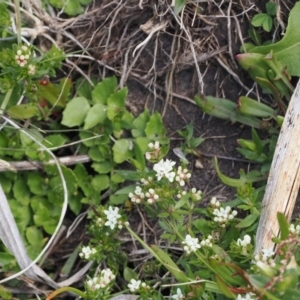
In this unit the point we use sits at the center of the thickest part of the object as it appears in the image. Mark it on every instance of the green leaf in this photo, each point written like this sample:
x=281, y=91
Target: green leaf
x=26, y=140
x=116, y=103
x=271, y=8
x=55, y=95
x=248, y=221
x=129, y=175
x=251, y=107
x=71, y=8
x=129, y=274
x=22, y=214
x=179, y=4
x=288, y=48
x=80, y=172
x=104, y=89
x=259, y=19
x=140, y=123
x=155, y=127
x=95, y=154
x=102, y=167
x=96, y=115
x=75, y=203
x=226, y=110
x=36, y=183
x=267, y=24
x=34, y=236
x=83, y=88
x=283, y=225
x=75, y=112
x=21, y=191
x=126, y=190
x=122, y=150
x=54, y=140
x=118, y=199
x=55, y=182
x=224, y=288
x=255, y=36
x=23, y=111
x=100, y=182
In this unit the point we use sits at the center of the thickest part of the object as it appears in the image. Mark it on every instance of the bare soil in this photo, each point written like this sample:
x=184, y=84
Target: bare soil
x=165, y=60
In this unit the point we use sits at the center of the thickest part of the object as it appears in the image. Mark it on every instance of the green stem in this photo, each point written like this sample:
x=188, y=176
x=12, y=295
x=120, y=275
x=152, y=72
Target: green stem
x=18, y=20
x=66, y=289
x=5, y=101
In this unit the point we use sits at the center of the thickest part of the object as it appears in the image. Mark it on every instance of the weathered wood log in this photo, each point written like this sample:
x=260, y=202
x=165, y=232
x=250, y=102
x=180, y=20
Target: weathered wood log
x=284, y=178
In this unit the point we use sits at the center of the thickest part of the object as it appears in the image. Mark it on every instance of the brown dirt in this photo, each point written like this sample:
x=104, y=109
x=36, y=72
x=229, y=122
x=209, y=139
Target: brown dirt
x=163, y=75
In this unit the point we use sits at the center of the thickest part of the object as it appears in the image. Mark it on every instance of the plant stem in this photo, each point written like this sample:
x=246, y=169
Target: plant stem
x=18, y=20
x=5, y=101
x=66, y=289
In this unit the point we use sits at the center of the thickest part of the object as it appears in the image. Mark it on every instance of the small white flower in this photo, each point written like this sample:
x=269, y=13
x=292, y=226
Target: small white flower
x=178, y=295
x=191, y=244
x=214, y=202
x=87, y=252
x=165, y=169
x=112, y=215
x=156, y=146
x=134, y=285
x=24, y=48
x=152, y=196
x=31, y=69
x=19, y=52
x=245, y=241
x=182, y=176
x=196, y=195
x=294, y=229
x=248, y=296
x=151, y=145
x=137, y=196
x=268, y=252
x=101, y=281
x=223, y=215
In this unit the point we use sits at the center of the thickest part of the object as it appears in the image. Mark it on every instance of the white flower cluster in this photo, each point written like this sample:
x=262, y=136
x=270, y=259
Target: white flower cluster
x=196, y=195
x=112, y=215
x=178, y=295
x=214, y=202
x=136, y=285
x=223, y=215
x=264, y=260
x=191, y=244
x=294, y=229
x=137, y=196
x=154, y=154
x=180, y=195
x=248, y=296
x=207, y=242
x=103, y=280
x=152, y=196
x=182, y=176
x=87, y=252
x=22, y=57
x=165, y=169
x=245, y=241
x=146, y=181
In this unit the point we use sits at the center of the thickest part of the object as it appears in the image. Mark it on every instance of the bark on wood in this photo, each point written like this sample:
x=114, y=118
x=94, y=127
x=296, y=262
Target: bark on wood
x=284, y=178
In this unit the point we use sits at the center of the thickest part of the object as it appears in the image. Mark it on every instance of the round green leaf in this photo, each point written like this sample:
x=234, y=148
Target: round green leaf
x=122, y=150
x=75, y=112
x=96, y=115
